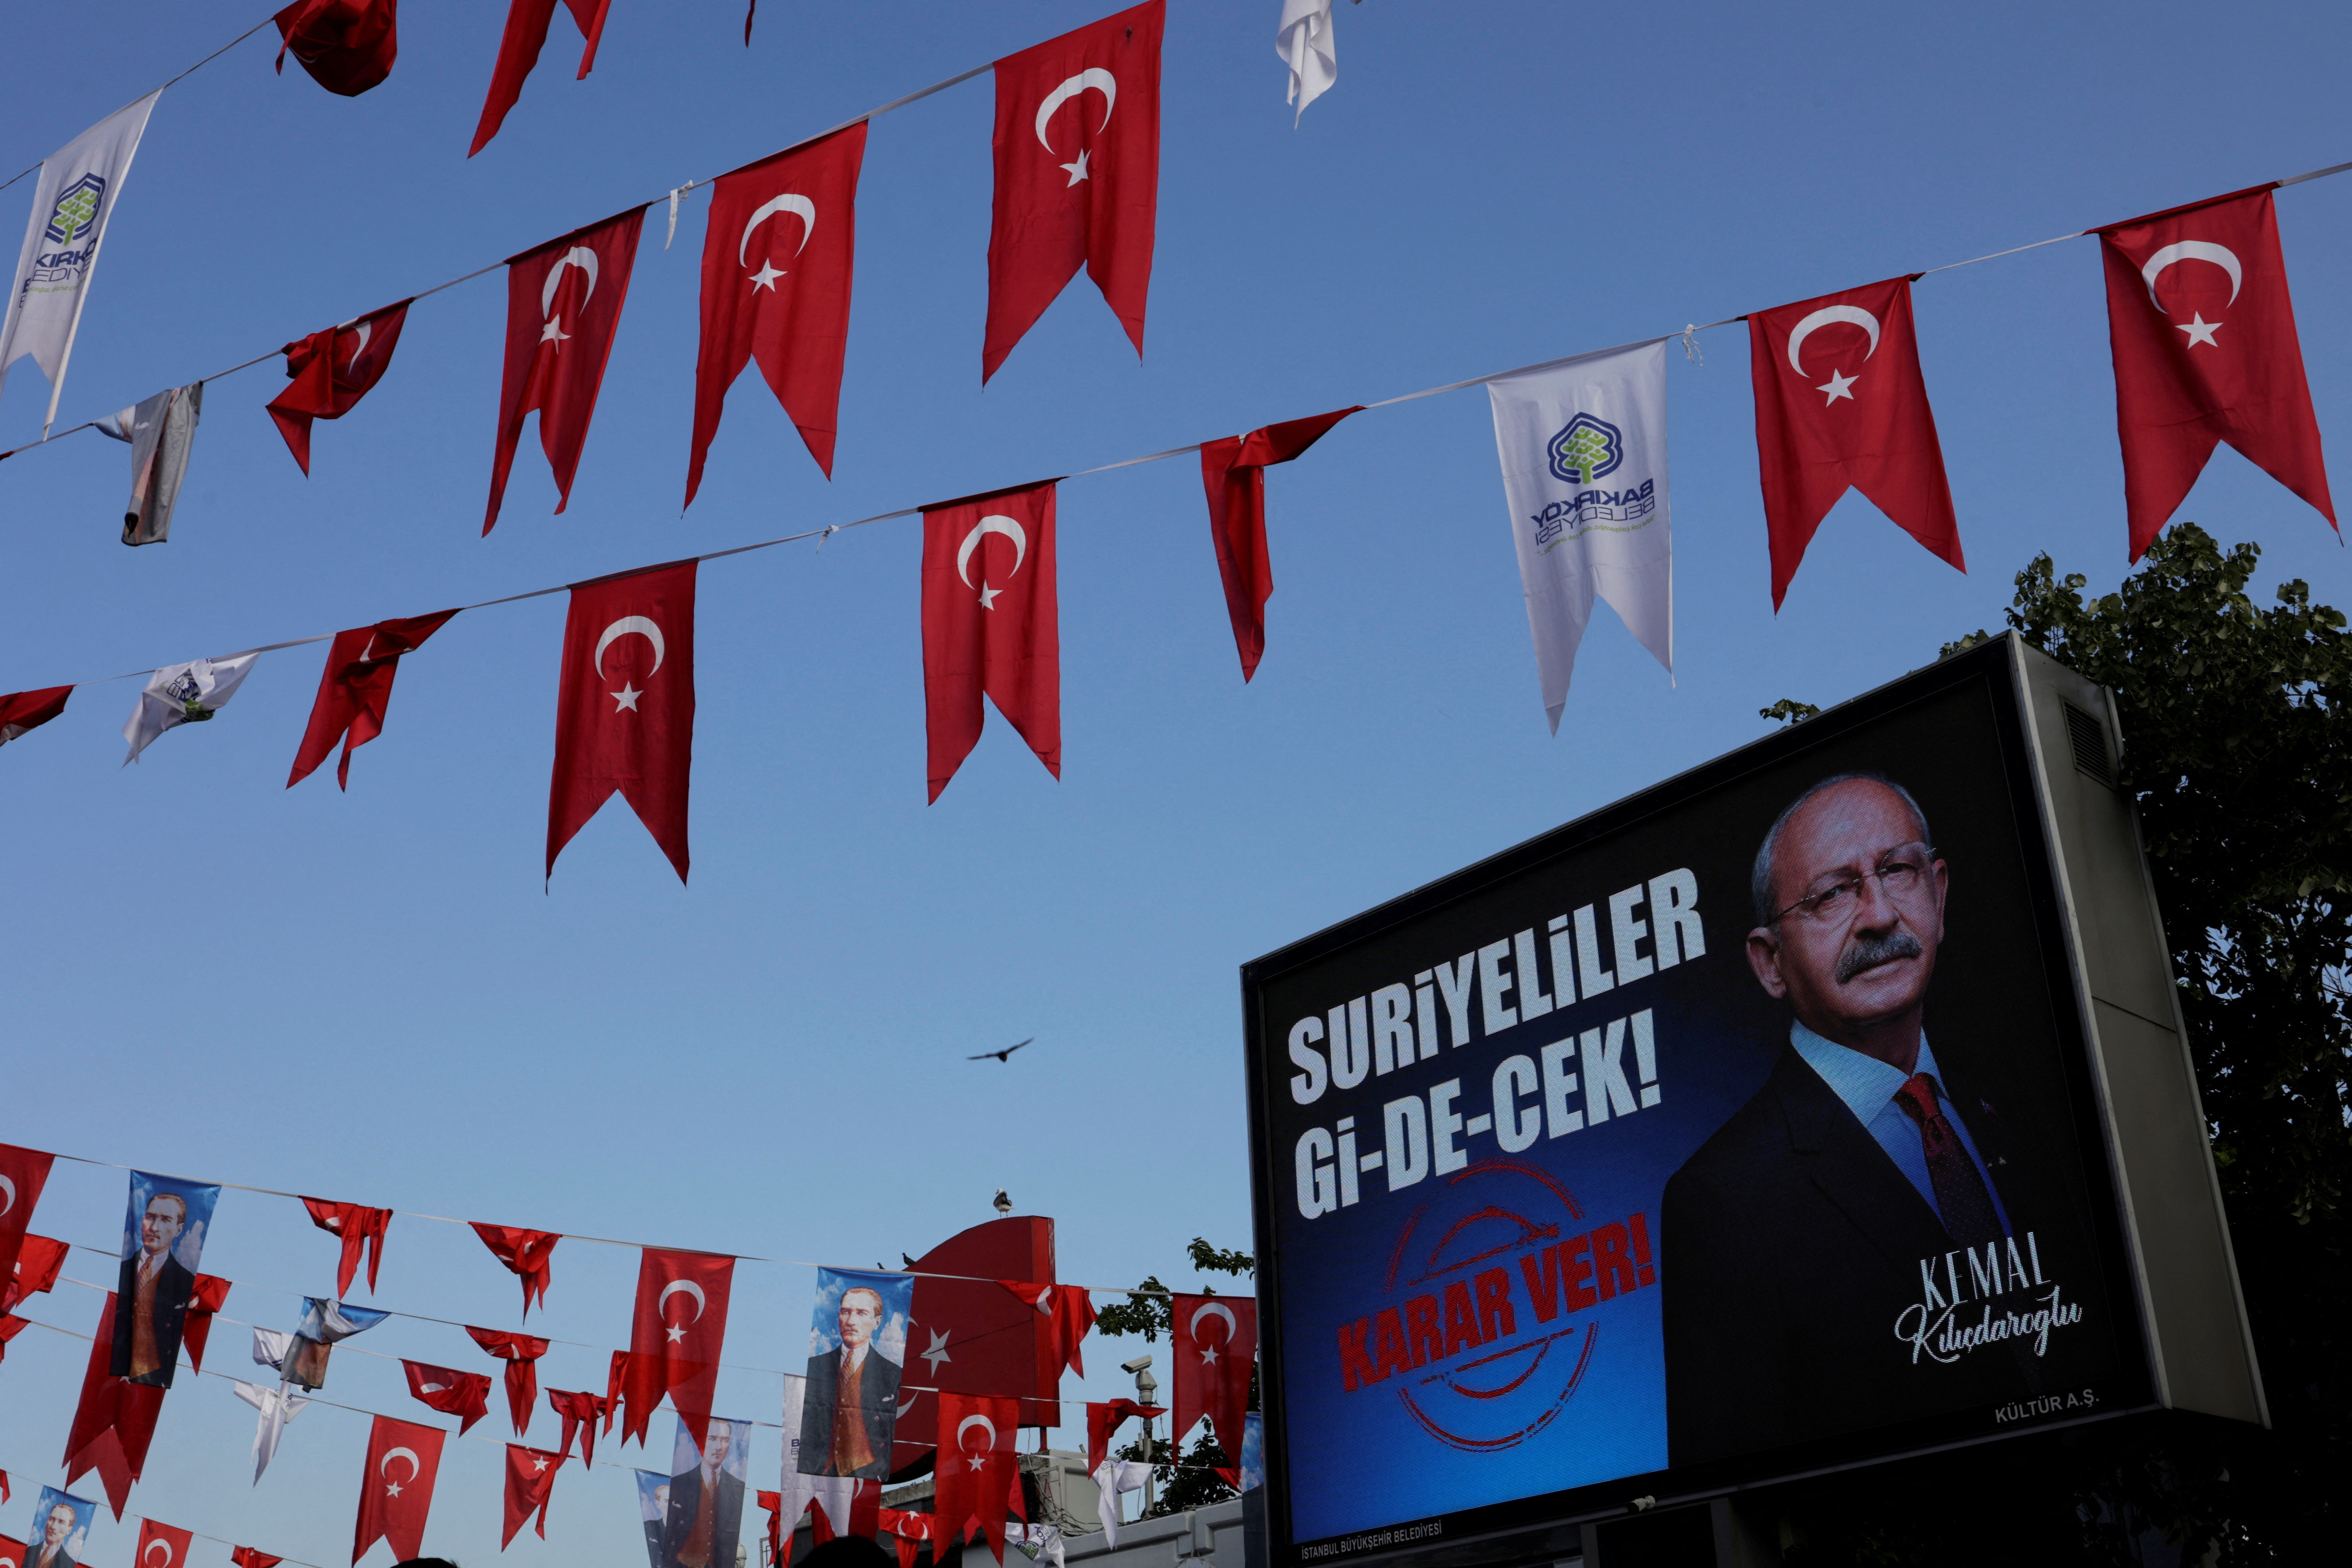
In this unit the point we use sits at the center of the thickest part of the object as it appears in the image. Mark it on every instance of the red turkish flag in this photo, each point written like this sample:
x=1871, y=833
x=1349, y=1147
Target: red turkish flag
x=1070, y=1311
x=174, y=1541
x=967, y=1334
x=530, y=1481
x=526, y=1253
x=976, y=1464
x=354, y=692
x=1233, y=470
x=1103, y=1420
x=991, y=624
x=1840, y=403
x=615, y=1380
x=114, y=1421
x=674, y=1346
x=521, y=1354
x=347, y=45
x=519, y=48
x=328, y=372
x=22, y=1171
x=2206, y=352
x=396, y=1490
x=38, y=1262
x=465, y=1395
x=12, y=1550
x=196, y=1329
x=23, y=710
x=611, y=734
x=252, y=1557
x=355, y=1224
x=579, y=1410
x=10, y=1327
x=774, y=1503
x=911, y=1530
x=1214, y=1345
x=776, y=263
x=563, y=305
x=1078, y=174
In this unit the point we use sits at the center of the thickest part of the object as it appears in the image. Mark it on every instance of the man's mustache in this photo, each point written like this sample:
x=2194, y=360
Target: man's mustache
x=1868, y=953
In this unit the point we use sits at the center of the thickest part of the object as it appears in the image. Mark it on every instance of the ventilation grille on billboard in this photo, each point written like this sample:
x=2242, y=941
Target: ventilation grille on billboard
x=2090, y=743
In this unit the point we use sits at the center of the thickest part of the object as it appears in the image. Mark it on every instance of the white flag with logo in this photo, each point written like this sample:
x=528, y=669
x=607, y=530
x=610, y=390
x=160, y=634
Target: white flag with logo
x=831, y=1494
x=76, y=196
x=180, y=694
x=1583, y=444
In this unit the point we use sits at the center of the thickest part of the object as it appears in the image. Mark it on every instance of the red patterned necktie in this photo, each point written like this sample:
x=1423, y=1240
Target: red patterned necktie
x=1969, y=1218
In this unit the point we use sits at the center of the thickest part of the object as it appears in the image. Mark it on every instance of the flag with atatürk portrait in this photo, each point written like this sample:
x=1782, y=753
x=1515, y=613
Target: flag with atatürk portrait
x=162, y=1243
x=858, y=1351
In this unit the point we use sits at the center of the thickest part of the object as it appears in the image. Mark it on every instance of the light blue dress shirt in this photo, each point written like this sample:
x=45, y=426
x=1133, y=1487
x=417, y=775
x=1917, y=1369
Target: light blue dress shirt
x=1868, y=1087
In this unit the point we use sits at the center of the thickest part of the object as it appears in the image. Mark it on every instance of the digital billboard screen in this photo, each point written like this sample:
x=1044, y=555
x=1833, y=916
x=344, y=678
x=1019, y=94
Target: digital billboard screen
x=1742, y=1127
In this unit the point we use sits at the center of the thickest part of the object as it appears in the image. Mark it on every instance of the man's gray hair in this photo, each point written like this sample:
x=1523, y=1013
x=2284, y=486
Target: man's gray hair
x=1759, y=882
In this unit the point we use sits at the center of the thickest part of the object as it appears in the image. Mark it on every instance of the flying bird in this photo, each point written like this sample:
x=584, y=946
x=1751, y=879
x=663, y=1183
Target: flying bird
x=1004, y=1056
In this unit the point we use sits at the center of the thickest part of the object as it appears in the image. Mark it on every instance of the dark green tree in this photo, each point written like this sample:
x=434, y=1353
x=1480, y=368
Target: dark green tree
x=2237, y=746
x=1193, y=1482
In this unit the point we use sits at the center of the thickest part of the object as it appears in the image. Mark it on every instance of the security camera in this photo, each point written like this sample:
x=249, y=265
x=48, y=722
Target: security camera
x=1138, y=1364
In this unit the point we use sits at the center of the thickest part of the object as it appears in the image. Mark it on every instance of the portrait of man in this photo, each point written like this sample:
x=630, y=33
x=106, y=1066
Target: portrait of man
x=164, y=1242
x=653, y=1508
x=850, y=1410
x=703, y=1511
x=63, y=1529
x=1794, y=1238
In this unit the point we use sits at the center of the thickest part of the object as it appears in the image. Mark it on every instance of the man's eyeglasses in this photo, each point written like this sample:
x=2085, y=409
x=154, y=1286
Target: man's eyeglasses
x=1899, y=876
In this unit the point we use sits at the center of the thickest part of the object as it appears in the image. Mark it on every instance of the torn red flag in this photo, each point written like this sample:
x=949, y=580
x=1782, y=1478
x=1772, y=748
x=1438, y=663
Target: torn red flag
x=347, y=45
x=211, y=1294
x=1072, y=1312
x=518, y=47
x=465, y=1395
x=252, y=1557
x=580, y=1410
x=356, y=1224
x=38, y=1258
x=114, y=1422
x=354, y=692
x=23, y=710
x=526, y=1253
x=1233, y=470
x=328, y=372
x=521, y=1354
x=530, y=1482
x=1103, y=1420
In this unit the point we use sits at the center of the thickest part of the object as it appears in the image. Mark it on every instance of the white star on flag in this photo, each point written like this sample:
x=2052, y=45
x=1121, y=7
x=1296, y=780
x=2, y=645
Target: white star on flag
x=554, y=331
x=1837, y=387
x=1209, y=1354
x=939, y=1351
x=988, y=594
x=538, y=1463
x=628, y=697
x=677, y=1334
x=1077, y=170
x=766, y=277
x=392, y=1489
x=2201, y=331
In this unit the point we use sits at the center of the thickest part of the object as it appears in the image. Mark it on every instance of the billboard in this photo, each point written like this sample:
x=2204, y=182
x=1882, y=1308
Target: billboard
x=1752, y=1125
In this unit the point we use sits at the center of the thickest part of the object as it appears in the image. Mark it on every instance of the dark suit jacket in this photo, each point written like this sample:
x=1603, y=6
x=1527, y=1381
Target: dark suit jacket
x=1791, y=1246
x=174, y=1289
x=653, y=1528
x=32, y=1555
x=726, y=1518
x=877, y=1403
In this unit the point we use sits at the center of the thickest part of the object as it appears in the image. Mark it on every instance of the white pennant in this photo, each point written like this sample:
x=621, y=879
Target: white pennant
x=1304, y=42
x=180, y=694
x=1583, y=447
x=277, y=1408
x=73, y=203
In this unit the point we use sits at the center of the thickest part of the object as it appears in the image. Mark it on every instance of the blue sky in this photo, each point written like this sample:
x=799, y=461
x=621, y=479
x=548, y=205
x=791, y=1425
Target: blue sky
x=368, y=996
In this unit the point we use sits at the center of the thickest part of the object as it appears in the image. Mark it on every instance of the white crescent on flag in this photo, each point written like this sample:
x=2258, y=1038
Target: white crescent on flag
x=660, y=1301
x=10, y=1188
x=148, y=1555
x=993, y=523
x=383, y=1466
x=652, y=634
x=966, y=1425
x=579, y=256
x=1852, y=315
x=1218, y=1309
x=1094, y=77
x=800, y=205
x=2221, y=256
